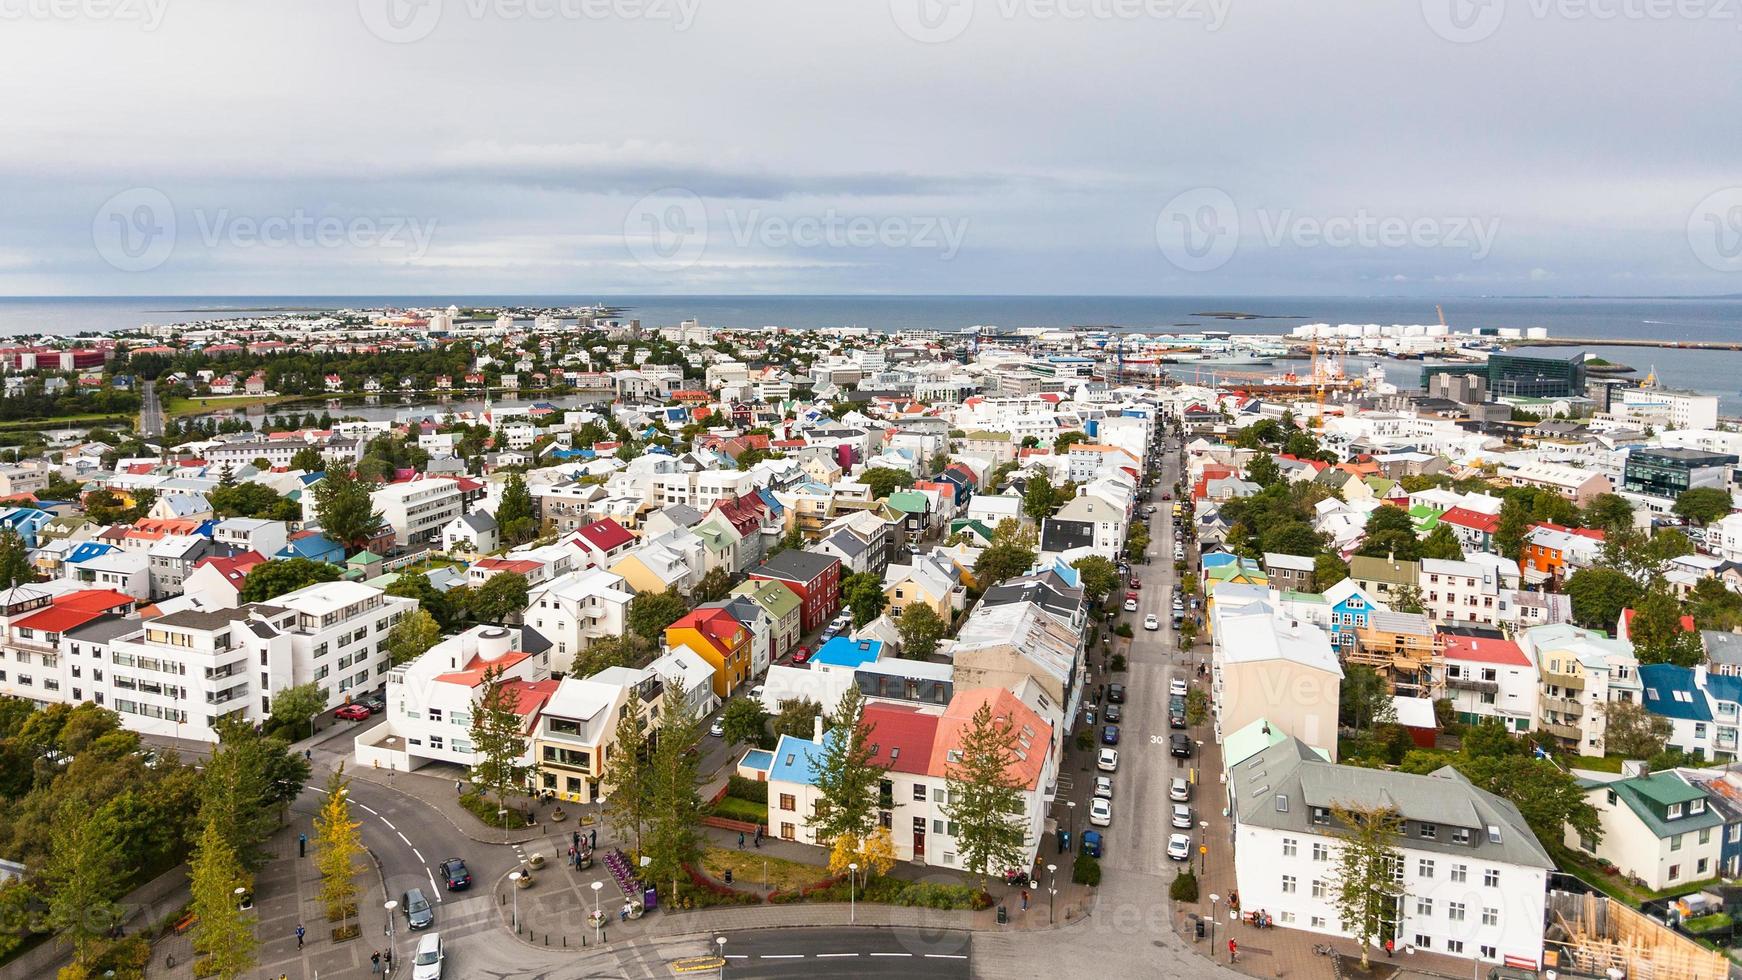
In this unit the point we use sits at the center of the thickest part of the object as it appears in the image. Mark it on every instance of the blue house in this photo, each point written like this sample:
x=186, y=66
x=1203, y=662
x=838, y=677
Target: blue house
x=848, y=653
x=26, y=522
x=314, y=547
x=1350, y=609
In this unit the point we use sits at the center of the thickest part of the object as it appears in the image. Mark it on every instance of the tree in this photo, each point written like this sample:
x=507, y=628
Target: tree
x=845, y=778
x=338, y=843
x=514, y=514
x=797, y=717
x=498, y=737
x=1407, y=599
x=1100, y=577
x=745, y=720
x=346, y=510
x=1066, y=440
x=1004, y=559
x=412, y=637
x=502, y=596
x=1442, y=543
x=883, y=480
x=1702, y=505
x=1328, y=570
x=248, y=776
x=628, y=650
x=985, y=798
x=1509, y=534
x=674, y=807
x=271, y=579
x=921, y=628
x=651, y=612
x=1390, y=533
x=625, y=777
x=1292, y=538
x=308, y=459
x=415, y=585
x=295, y=706
x=1608, y=511
x=15, y=567
x=1598, y=595
x=1037, y=498
x=101, y=506
x=863, y=594
x=1366, y=889
x=223, y=933
x=1657, y=632
x=1633, y=732
x=715, y=585
x=1365, y=698
x=1262, y=470
x=81, y=876
x=252, y=500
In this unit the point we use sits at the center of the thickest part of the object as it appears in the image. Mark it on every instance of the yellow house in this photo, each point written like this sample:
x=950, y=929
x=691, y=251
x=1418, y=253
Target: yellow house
x=720, y=640
x=932, y=583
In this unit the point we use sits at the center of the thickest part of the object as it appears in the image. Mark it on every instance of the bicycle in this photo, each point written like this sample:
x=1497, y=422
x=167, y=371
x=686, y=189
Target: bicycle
x=1323, y=949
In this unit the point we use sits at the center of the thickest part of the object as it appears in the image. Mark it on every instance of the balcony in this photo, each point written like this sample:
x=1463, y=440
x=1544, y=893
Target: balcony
x=1565, y=706
x=1571, y=682
x=1570, y=733
x=1472, y=684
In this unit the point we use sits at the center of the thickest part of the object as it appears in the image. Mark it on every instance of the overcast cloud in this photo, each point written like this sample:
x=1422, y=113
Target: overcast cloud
x=1418, y=147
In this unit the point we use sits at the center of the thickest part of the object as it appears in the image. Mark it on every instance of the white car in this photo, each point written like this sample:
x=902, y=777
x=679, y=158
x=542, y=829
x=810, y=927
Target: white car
x=1130, y=605
x=1109, y=760
x=1177, y=686
x=426, y=964
x=1101, y=812
x=1179, y=790
x=1182, y=816
x=1151, y=623
x=1179, y=847
x=717, y=729
x=1103, y=787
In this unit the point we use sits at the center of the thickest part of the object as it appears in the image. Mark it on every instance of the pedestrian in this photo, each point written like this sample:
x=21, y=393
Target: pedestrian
x=593, y=839
x=457, y=785
x=740, y=840
x=1389, y=946
x=387, y=959
x=308, y=754
x=1025, y=900
x=299, y=934
x=575, y=838
x=1233, y=947
x=375, y=962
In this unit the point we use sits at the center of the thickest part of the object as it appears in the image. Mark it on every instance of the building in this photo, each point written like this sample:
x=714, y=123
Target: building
x=1659, y=827
x=417, y=510
x=718, y=638
x=573, y=610
x=782, y=605
x=816, y=578
x=1490, y=678
x=1581, y=673
x=1473, y=879
x=1268, y=665
x=1521, y=376
x=576, y=733
x=1665, y=473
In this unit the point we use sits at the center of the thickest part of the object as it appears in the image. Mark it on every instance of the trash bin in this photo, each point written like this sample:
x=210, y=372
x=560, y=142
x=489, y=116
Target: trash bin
x=1003, y=915
x=1200, y=927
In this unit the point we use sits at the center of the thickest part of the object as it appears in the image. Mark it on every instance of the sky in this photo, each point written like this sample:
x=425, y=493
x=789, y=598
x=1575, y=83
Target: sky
x=1431, y=148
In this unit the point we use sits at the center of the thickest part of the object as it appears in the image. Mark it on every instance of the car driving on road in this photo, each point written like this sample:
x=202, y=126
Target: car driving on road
x=418, y=914
x=1151, y=623
x=455, y=875
x=426, y=963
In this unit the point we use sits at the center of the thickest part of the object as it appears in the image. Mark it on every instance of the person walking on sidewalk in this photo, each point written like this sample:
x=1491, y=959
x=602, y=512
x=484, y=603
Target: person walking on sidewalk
x=387, y=959
x=300, y=931
x=375, y=962
x=1390, y=945
x=740, y=840
x=457, y=787
x=1025, y=900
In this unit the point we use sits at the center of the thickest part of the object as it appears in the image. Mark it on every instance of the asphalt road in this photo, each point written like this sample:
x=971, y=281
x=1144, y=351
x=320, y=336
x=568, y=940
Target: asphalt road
x=150, y=411
x=776, y=953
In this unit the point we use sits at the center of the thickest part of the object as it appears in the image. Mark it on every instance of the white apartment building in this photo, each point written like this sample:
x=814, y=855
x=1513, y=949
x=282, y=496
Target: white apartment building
x=1491, y=678
x=1472, y=880
x=417, y=510
x=1666, y=408
x=252, y=534
x=575, y=609
x=1463, y=592
x=1581, y=673
x=340, y=635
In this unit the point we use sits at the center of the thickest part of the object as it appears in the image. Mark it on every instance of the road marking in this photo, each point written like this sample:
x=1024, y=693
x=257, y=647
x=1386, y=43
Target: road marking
x=419, y=854
x=834, y=956
x=433, y=890
x=782, y=956
x=371, y=810
x=402, y=838
x=384, y=820
x=943, y=956
x=891, y=954
x=737, y=956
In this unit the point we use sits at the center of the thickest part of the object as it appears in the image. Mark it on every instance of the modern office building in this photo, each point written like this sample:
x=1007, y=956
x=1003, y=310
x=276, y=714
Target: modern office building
x=1518, y=375
x=1667, y=472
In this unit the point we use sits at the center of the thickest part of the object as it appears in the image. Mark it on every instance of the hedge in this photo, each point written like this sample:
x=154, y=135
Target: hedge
x=1086, y=871
x=1184, y=888
x=744, y=788
x=733, y=808
x=892, y=891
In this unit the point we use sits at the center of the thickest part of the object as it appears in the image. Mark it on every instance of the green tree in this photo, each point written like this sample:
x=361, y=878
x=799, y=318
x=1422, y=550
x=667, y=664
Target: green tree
x=797, y=717
x=1366, y=889
x=1633, y=732
x=412, y=637
x=1702, y=505
x=921, y=628
x=338, y=845
x=1407, y=599
x=501, y=597
x=651, y=612
x=1011, y=553
x=863, y=594
x=1598, y=595
x=308, y=459
x=514, y=514
x=629, y=650
x=884, y=480
x=1365, y=698
x=715, y=585
x=15, y=567
x=1442, y=543
x=1292, y=538
x=1328, y=570
x=247, y=778
x=985, y=798
x=674, y=810
x=498, y=738
x=249, y=500
x=846, y=780
x=415, y=585
x=745, y=720
x=1390, y=532
x=346, y=510
x=1657, y=633
x=295, y=706
x=271, y=579
x=1100, y=577
x=1262, y=470
x=1038, y=498
x=625, y=778
x=1608, y=511
x=223, y=933
x=81, y=877
x=1066, y=440
x=1509, y=534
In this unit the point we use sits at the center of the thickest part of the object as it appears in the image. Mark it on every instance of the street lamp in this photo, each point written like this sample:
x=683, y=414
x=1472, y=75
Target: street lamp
x=852, y=884
x=722, y=941
x=1071, y=810
x=1213, y=900
x=1052, y=891
x=390, y=906
x=514, y=879
x=1204, y=847
x=598, y=918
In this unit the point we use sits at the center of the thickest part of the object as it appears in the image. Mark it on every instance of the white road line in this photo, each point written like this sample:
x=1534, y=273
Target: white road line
x=834, y=956
x=943, y=956
x=388, y=822
x=891, y=954
x=419, y=854
x=782, y=956
x=433, y=890
x=737, y=956
x=371, y=810
x=402, y=838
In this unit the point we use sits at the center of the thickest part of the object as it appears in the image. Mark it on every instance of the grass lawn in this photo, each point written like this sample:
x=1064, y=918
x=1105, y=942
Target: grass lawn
x=1616, y=886
x=783, y=875
x=175, y=407
x=1606, y=763
x=92, y=420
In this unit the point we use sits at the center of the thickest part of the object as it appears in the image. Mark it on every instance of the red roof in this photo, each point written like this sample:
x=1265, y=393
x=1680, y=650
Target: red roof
x=715, y=624
x=606, y=535
x=1033, y=734
x=74, y=610
x=1472, y=519
x=471, y=674
x=520, y=566
x=1485, y=650
x=903, y=736
x=234, y=568
x=1627, y=618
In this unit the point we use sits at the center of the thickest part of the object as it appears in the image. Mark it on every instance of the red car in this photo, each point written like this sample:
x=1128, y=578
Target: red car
x=1135, y=584
x=801, y=655
x=353, y=712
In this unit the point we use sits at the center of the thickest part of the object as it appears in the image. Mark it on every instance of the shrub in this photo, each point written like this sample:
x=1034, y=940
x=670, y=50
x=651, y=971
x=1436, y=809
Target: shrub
x=484, y=809
x=1124, y=630
x=744, y=788
x=1184, y=888
x=1086, y=871
x=703, y=891
x=733, y=808
x=1117, y=664
x=1085, y=740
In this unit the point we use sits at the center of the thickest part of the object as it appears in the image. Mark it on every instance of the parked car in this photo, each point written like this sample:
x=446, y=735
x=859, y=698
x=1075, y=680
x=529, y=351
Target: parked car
x=418, y=913
x=1113, y=714
x=375, y=703
x=1182, y=816
x=717, y=729
x=1101, y=812
x=1092, y=843
x=352, y=712
x=1179, y=790
x=802, y=655
x=1108, y=760
x=455, y=875
x=1130, y=605
x=1115, y=694
x=426, y=963
x=1104, y=787
x=1151, y=623
x=1179, y=847
x=1110, y=735
x=1176, y=719
x=1177, y=686
x=1181, y=747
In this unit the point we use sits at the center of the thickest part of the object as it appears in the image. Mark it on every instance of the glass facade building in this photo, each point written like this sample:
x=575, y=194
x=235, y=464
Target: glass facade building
x=1517, y=375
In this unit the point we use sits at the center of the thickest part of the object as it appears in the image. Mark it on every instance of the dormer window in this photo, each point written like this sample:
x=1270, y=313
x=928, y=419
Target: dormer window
x=1321, y=815
x=1675, y=811
x=1427, y=831
x=1696, y=806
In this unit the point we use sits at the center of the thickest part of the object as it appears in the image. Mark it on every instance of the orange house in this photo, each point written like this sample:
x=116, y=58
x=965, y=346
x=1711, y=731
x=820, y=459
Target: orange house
x=720, y=640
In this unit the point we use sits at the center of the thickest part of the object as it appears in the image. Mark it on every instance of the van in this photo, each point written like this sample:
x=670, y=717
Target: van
x=426, y=963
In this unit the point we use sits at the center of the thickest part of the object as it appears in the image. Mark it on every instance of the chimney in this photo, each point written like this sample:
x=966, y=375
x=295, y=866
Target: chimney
x=817, y=729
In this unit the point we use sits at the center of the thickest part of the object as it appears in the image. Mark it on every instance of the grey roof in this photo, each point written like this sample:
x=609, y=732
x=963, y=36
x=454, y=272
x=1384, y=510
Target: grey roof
x=683, y=515
x=104, y=630
x=847, y=541
x=1722, y=647
x=1292, y=770
x=1299, y=563
x=479, y=520
x=800, y=566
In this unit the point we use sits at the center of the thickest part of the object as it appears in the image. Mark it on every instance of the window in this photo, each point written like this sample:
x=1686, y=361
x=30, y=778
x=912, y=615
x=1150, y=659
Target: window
x=919, y=792
x=1427, y=831
x=1460, y=873
x=1318, y=888
x=1424, y=906
x=1491, y=878
x=1454, y=945
x=787, y=802
x=1425, y=868
x=1675, y=810
x=1701, y=866
x=1706, y=836
x=1289, y=846
x=1322, y=852
x=1423, y=942
x=1675, y=843
x=1675, y=871
x=1461, y=835
x=1318, y=922
x=786, y=831
x=1490, y=953
x=1455, y=911
x=1288, y=884
x=1490, y=917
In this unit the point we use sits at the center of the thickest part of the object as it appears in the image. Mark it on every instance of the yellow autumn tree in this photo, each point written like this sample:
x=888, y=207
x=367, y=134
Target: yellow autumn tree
x=844, y=851
x=877, y=852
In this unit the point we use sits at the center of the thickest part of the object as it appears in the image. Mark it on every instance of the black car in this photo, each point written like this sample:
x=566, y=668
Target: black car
x=1113, y=713
x=418, y=914
x=1176, y=719
x=1182, y=746
x=375, y=703
x=1115, y=694
x=1110, y=735
x=455, y=875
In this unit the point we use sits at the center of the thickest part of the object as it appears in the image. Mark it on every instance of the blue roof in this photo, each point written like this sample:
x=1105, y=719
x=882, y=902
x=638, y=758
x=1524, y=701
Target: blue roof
x=774, y=506
x=315, y=546
x=757, y=759
x=1072, y=577
x=1724, y=687
x=1216, y=559
x=844, y=652
x=1663, y=683
x=796, y=760
x=86, y=550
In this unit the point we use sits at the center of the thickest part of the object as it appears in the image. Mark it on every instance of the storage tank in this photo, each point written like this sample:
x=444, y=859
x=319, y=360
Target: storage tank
x=1537, y=333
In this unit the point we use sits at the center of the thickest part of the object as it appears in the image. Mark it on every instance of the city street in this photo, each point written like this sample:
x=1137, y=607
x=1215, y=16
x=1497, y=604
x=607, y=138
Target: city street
x=770, y=953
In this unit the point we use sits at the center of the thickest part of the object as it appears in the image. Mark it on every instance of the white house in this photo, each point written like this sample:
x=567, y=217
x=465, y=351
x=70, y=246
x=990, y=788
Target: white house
x=1659, y=827
x=1491, y=678
x=575, y=609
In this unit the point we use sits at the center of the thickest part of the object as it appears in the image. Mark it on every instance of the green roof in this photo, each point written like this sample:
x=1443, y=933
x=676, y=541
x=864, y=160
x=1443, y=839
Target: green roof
x=779, y=600
x=909, y=502
x=363, y=558
x=1650, y=796
x=1289, y=595
x=1665, y=789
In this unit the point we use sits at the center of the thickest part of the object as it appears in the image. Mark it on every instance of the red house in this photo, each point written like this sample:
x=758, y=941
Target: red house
x=816, y=578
